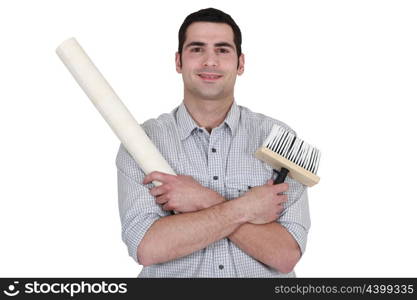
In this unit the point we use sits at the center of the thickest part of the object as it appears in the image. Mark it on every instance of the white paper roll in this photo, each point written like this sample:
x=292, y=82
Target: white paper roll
x=121, y=121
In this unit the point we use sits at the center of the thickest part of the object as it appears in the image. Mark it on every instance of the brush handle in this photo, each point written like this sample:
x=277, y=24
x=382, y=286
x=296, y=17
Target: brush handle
x=281, y=175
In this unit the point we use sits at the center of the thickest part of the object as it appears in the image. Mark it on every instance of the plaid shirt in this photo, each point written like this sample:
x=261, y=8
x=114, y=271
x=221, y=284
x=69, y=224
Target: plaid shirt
x=222, y=161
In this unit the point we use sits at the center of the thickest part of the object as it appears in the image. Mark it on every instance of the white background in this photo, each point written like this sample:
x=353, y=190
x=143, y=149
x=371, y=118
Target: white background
x=341, y=73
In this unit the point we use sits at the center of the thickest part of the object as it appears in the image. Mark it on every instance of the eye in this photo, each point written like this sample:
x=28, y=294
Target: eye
x=196, y=49
x=223, y=50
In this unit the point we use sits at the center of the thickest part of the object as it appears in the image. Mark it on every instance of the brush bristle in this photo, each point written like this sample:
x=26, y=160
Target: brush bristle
x=286, y=144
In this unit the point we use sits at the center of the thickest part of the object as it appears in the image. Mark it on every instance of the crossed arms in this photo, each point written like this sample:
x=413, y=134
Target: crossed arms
x=248, y=221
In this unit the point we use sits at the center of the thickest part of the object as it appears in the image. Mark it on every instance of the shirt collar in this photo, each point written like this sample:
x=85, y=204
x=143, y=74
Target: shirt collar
x=232, y=118
x=186, y=124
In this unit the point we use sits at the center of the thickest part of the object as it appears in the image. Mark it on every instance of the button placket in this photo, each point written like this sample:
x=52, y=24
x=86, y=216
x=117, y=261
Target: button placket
x=214, y=161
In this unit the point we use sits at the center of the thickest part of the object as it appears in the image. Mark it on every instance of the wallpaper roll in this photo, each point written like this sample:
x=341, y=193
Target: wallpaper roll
x=121, y=121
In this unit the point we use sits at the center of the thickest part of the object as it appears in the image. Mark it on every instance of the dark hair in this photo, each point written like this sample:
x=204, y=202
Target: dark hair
x=210, y=15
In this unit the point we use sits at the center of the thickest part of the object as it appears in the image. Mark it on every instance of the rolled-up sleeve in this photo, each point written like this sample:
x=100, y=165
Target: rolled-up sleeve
x=296, y=217
x=137, y=207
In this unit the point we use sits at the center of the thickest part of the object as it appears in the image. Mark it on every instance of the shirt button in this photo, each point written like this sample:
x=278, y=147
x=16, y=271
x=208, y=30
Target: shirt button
x=215, y=177
x=213, y=150
x=221, y=267
x=200, y=130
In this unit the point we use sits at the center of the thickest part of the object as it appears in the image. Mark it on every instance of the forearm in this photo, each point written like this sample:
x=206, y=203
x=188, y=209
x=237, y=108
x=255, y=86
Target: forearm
x=182, y=234
x=269, y=243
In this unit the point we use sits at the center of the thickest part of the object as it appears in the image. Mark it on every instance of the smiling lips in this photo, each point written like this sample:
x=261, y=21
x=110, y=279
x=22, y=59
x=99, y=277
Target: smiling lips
x=209, y=76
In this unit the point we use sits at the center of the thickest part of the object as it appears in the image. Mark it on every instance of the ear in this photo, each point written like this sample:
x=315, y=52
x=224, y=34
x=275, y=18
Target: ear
x=241, y=67
x=178, y=66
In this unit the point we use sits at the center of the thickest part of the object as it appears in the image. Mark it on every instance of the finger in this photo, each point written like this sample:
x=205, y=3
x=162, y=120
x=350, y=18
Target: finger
x=167, y=206
x=281, y=188
x=158, y=176
x=159, y=190
x=161, y=199
x=282, y=199
x=270, y=182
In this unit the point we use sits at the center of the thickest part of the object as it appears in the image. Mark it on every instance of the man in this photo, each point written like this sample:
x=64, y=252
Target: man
x=230, y=220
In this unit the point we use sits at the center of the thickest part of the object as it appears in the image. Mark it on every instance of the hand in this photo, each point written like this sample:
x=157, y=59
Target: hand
x=181, y=193
x=263, y=204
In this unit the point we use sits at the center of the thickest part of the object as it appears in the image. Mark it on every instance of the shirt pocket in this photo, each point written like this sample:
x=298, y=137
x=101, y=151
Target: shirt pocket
x=242, y=177
x=194, y=168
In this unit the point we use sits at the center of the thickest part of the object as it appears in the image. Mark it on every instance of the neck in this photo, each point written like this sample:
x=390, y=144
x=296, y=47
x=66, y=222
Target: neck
x=208, y=113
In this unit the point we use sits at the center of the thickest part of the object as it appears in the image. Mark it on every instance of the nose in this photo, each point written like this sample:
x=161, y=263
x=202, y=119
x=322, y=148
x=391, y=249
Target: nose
x=210, y=59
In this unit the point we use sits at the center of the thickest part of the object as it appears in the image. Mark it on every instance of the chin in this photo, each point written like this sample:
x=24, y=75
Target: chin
x=211, y=95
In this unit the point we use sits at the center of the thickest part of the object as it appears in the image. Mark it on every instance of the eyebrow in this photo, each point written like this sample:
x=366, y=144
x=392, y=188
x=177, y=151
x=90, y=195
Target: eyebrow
x=195, y=44
x=220, y=44
x=224, y=44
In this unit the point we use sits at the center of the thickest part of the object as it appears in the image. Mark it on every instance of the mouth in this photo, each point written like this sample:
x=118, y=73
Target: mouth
x=210, y=77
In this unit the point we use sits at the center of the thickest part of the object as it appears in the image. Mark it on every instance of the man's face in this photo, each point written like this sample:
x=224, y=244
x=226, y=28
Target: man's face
x=209, y=61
